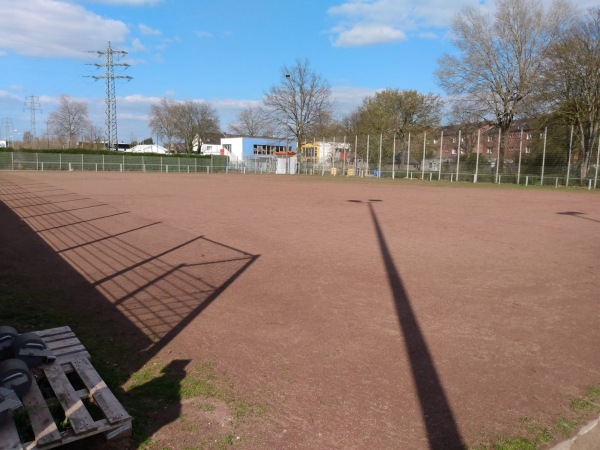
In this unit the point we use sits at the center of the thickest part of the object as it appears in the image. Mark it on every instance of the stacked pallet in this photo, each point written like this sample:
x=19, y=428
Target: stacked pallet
x=68, y=401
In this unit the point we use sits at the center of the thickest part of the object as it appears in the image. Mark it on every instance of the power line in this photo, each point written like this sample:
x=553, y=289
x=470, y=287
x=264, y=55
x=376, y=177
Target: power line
x=111, y=101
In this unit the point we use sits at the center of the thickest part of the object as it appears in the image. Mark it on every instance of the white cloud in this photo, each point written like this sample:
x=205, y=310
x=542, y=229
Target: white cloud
x=361, y=35
x=348, y=98
x=203, y=34
x=51, y=28
x=370, y=22
x=137, y=45
x=428, y=35
x=127, y=2
x=148, y=31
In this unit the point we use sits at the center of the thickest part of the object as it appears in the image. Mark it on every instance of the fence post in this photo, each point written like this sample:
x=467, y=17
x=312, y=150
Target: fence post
x=82, y=162
x=423, y=161
x=543, y=157
x=380, y=150
x=498, y=155
x=441, y=151
x=477, y=157
x=520, y=152
x=393, y=159
x=458, y=154
x=597, y=163
x=37, y=162
x=569, y=162
x=408, y=156
x=368, y=136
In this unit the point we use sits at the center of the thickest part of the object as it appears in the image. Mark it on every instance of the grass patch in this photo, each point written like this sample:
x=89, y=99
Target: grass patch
x=156, y=386
x=537, y=435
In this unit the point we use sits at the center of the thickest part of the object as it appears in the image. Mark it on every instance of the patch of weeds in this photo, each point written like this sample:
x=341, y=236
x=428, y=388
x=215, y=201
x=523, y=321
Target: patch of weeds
x=514, y=443
x=537, y=434
x=160, y=385
x=580, y=404
x=566, y=426
x=226, y=441
x=593, y=393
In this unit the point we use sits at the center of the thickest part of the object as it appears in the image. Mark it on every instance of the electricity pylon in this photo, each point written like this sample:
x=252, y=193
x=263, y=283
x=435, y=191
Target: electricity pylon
x=34, y=105
x=111, y=101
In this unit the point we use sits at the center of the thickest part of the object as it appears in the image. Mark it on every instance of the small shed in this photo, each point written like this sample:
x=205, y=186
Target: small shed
x=287, y=162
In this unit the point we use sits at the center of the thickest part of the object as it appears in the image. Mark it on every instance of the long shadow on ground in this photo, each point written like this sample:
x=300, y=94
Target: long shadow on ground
x=442, y=429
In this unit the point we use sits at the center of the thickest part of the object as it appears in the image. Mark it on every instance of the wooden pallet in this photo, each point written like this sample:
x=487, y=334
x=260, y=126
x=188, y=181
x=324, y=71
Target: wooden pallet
x=71, y=386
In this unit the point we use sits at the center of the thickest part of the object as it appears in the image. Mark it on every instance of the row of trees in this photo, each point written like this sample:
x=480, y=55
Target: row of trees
x=523, y=60
x=527, y=61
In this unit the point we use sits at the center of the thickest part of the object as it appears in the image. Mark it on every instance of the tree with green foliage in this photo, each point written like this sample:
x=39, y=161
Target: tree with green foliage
x=394, y=113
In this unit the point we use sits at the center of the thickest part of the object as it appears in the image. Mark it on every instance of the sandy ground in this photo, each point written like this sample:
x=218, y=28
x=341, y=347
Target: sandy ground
x=363, y=313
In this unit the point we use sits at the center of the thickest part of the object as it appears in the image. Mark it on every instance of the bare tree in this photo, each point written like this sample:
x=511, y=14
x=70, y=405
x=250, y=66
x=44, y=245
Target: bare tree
x=69, y=120
x=195, y=121
x=162, y=120
x=253, y=121
x=572, y=82
x=302, y=98
x=500, y=58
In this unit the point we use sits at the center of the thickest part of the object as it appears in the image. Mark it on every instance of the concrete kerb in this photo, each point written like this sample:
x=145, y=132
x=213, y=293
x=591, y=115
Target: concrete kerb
x=588, y=438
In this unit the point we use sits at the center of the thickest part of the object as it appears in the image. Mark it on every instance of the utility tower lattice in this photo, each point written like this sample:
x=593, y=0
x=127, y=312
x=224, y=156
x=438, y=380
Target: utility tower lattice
x=34, y=105
x=111, y=101
x=7, y=123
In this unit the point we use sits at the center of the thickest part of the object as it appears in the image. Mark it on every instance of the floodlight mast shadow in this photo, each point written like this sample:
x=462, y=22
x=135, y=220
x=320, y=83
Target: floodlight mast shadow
x=441, y=426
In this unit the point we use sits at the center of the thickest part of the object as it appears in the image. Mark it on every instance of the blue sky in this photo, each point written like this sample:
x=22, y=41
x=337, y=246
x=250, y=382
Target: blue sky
x=226, y=52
